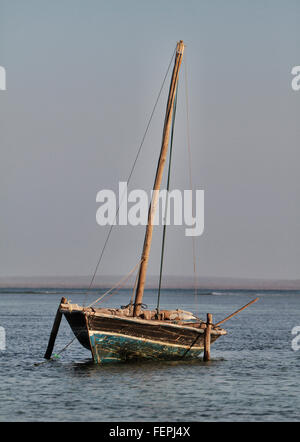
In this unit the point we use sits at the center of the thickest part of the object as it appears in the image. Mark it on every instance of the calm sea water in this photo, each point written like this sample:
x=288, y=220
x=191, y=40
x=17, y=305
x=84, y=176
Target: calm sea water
x=254, y=374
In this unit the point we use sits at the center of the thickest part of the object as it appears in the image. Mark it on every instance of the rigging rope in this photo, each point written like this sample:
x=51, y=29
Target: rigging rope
x=190, y=170
x=167, y=200
x=134, y=287
x=118, y=285
x=128, y=181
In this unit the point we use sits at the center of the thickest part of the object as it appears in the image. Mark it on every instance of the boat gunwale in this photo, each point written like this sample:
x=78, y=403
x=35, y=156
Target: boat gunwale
x=88, y=311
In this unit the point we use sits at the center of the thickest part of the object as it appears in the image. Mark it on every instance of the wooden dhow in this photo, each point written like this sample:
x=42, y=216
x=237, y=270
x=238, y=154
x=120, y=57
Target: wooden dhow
x=116, y=335
x=133, y=332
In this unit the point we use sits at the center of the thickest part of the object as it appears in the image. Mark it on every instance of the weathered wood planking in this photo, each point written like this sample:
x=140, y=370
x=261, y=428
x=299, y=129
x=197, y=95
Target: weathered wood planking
x=171, y=335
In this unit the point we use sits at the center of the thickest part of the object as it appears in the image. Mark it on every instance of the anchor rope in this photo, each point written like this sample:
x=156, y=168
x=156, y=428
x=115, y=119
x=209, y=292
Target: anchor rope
x=59, y=352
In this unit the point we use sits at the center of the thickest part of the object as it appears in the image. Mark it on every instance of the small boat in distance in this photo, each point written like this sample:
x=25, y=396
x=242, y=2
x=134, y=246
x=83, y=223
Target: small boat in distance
x=133, y=332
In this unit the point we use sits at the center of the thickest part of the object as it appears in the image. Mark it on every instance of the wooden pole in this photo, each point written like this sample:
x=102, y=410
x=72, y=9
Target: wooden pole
x=54, y=330
x=158, y=179
x=235, y=313
x=207, y=332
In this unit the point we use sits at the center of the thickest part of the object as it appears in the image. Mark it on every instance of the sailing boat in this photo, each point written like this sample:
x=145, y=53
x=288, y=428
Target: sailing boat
x=132, y=332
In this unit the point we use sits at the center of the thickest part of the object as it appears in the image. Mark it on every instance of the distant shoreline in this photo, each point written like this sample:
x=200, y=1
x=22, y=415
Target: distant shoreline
x=169, y=282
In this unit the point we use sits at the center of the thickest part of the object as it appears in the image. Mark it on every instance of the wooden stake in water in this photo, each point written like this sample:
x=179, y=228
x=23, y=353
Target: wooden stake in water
x=207, y=332
x=54, y=330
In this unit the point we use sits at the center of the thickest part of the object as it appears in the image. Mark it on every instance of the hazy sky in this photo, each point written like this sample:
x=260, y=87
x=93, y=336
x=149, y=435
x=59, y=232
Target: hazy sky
x=82, y=78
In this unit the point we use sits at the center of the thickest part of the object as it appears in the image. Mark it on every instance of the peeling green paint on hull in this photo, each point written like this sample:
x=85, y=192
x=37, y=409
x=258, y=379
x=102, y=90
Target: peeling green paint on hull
x=109, y=348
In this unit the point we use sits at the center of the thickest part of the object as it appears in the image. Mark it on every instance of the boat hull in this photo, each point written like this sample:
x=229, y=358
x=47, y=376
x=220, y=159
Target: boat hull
x=119, y=348
x=115, y=339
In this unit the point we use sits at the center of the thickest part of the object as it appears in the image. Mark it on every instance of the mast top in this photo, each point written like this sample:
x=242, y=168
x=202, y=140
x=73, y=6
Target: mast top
x=180, y=47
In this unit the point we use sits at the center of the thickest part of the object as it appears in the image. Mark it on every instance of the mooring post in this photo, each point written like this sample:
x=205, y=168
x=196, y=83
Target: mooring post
x=54, y=330
x=207, y=332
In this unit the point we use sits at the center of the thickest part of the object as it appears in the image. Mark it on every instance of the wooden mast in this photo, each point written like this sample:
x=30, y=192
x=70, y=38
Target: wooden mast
x=158, y=178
